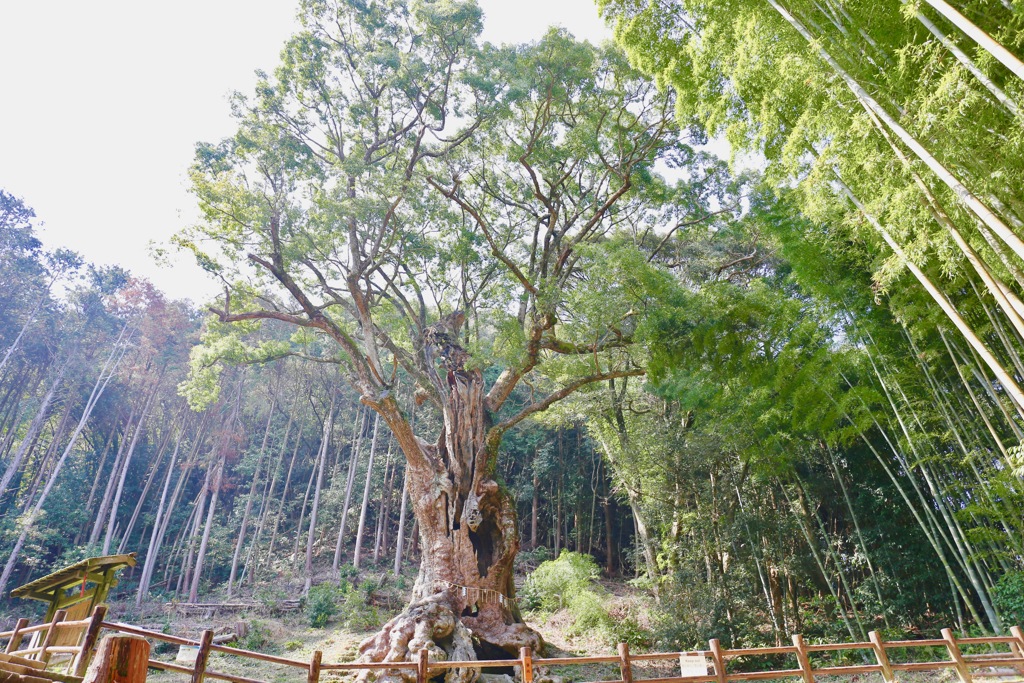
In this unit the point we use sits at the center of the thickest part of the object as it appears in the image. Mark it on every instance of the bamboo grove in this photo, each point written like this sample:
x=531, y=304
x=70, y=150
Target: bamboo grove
x=820, y=429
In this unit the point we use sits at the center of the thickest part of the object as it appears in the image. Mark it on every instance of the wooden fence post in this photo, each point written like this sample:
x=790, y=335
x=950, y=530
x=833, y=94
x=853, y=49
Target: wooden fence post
x=716, y=655
x=202, y=656
x=526, y=664
x=51, y=634
x=15, y=640
x=119, y=659
x=314, y=667
x=802, y=659
x=1018, y=648
x=882, y=656
x=92, y=634
x=625, y=669
x=422, y=666
x=954, y=651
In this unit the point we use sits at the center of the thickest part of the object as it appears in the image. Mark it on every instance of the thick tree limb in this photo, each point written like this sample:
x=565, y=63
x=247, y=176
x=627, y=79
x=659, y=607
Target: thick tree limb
x=497, y=430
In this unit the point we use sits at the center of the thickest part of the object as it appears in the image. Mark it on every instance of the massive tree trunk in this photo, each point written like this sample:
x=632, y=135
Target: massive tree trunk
x=463, y=602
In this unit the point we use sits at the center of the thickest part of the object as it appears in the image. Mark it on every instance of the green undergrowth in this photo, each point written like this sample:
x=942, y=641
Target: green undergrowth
x=570, y=585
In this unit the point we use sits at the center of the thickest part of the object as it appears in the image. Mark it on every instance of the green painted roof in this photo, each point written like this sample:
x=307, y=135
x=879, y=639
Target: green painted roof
x=90, y=569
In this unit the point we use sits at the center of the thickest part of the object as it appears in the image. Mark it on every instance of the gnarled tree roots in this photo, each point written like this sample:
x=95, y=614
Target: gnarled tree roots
x=432, y=624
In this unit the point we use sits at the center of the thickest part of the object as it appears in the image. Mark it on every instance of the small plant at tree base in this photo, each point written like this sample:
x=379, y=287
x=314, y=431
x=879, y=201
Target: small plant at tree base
x=322, y=604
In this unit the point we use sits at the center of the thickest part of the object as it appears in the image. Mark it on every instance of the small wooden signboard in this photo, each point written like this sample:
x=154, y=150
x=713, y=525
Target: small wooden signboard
x=692, y=664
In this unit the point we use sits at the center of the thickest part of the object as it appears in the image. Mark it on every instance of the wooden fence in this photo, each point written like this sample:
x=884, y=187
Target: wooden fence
x=1004, y=651
x=41, y=647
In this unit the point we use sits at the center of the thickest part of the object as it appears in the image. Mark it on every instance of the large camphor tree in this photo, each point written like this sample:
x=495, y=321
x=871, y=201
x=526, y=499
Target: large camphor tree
x=441, y=214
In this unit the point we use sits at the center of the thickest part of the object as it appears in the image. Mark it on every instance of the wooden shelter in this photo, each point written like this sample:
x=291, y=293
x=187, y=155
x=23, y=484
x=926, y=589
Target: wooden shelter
x=78, y=588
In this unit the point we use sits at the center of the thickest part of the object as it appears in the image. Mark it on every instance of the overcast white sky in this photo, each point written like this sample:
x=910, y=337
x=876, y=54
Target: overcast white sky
x=102, y=103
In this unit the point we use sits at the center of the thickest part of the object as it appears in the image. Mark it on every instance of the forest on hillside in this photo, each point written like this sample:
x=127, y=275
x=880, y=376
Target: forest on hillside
x=485, y=304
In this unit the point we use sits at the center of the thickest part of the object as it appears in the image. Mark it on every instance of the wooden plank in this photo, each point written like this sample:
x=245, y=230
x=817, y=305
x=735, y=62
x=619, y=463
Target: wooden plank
x=199, y=672
x=553, y=661
x=925, y=642
x=923, y=666
x=51, y=633
x=763, y=675
x=1017, y=646
x=848, y=670
x=756, y=651
x=878, y=645
x=838, y=646
x=92, y=633
x=802, y=659
x=314, y=667
x=21, y=661
x=167, y=666
x=954, y=652
x=167, y=638
x=625, y=668
x=665, y=656
x=260, y=656
x=526, y=664
x=718, y=659
x=1005, y=660
x=986, y=640
x=422, y=666
x=16, y=634
x=353, y=666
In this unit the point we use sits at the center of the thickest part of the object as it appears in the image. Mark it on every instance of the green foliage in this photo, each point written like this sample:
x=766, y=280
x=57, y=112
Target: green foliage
x=259, y=638
x=556, y=582
x=322, y=604
x=356, y=610
x=1008, y=598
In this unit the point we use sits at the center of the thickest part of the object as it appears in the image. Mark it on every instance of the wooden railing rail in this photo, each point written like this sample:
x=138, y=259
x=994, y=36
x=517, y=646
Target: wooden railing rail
x=715, y=659
x=49, y=634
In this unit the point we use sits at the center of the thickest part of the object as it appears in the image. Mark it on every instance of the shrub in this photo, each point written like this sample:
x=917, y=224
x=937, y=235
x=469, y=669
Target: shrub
x=321, y=604
x=589, y=613
x=1008, y=598
x=258, y=638
x=555, y=582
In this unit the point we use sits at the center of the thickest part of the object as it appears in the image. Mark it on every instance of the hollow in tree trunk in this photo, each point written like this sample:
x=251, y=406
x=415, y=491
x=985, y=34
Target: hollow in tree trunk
x=463, y=602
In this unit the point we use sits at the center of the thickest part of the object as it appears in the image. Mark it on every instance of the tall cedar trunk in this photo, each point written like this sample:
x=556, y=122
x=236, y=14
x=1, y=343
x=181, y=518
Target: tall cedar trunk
x=125, y=465
x=353, y=455
x=156, y=538
x=248, y=503
x=284, y=497
x=154, y=470
x=193, y=591
x=358, y=552
x=97, y=477
x=197, y=515
x=468, y=533
x=106, y=373
x=33, y=430
x=400, y=540
x=248, y=569
x=349, y=482
x=533, y=510
x=380, y=537
x=325, y=441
